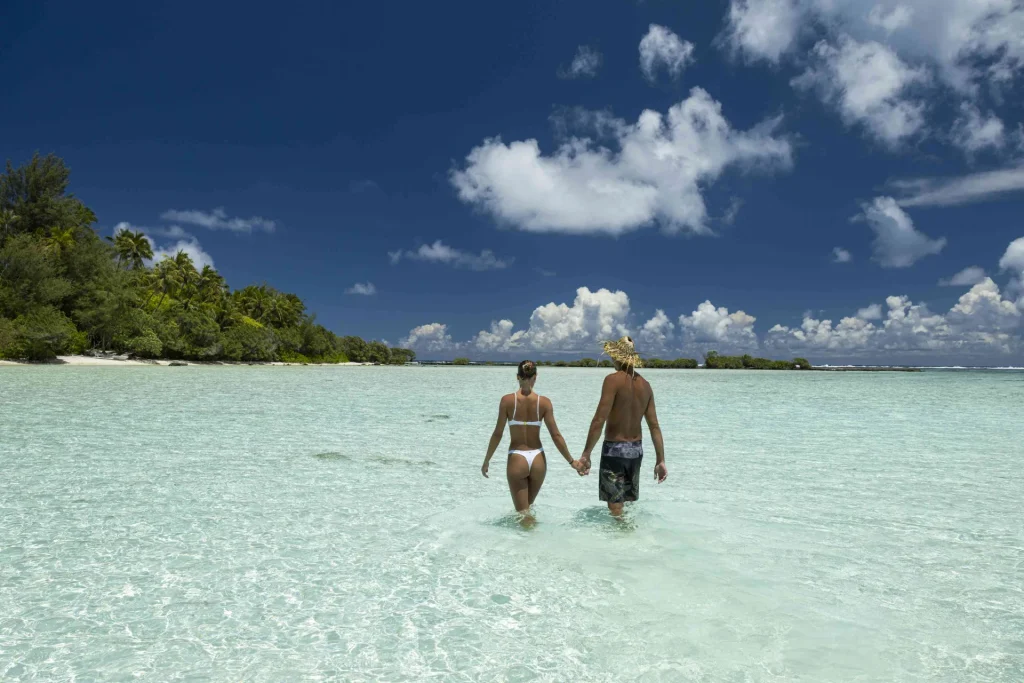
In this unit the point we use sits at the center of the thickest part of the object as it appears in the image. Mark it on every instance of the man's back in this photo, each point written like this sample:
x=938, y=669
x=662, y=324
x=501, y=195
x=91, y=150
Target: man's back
x=632, y=396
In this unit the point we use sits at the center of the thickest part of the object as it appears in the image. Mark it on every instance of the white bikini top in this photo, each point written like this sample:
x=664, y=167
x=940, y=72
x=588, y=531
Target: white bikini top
x=518, y=423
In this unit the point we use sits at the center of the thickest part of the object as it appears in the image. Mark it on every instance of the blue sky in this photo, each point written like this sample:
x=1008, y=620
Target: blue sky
x=786, y=177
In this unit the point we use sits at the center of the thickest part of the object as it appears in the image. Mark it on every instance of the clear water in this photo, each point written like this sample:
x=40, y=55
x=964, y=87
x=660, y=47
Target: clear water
x=269, y=524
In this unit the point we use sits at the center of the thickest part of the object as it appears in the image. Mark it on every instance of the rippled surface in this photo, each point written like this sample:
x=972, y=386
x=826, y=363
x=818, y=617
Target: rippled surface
x=274, y=524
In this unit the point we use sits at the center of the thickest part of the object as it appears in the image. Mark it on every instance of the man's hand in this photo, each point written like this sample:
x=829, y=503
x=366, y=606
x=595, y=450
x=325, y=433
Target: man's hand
x=578, y=466
x=483, y=470
x=660, y=472
x=584, y=469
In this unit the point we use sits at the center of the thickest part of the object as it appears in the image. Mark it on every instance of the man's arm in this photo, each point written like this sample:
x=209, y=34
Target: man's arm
x=604, y=407
x=651, y=415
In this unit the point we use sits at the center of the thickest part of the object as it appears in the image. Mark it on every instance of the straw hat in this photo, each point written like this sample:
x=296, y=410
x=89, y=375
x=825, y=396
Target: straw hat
x=623, y=352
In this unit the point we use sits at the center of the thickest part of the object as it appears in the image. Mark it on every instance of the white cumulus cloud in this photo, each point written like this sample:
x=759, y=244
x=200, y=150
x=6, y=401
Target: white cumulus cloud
x=584, y=64
x=965, y=278
x=657, y=333
x=974, y=132
x=662, y=165
x=897, y=244
x=363, y=288
x=981, y=322
x=593, y=317
x=708, y=326
x=869, y=84
x=190, y=246
x=502, y=338
x=660, y=48
x=219, y=220
x=840, y=255
x=438, y=252
x=429, y=337
x=763, y=29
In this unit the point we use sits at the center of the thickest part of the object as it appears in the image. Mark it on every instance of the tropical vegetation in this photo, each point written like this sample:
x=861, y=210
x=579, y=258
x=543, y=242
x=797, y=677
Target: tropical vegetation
x=64, y=289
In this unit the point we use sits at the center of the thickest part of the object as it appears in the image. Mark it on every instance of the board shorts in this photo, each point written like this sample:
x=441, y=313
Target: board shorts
x=620, y=471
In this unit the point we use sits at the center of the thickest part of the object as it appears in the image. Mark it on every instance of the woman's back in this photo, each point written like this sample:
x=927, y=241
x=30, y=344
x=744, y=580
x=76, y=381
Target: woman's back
x=524, y=420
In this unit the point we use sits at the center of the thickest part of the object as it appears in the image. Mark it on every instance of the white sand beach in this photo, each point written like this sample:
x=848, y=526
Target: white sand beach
x=80, y=360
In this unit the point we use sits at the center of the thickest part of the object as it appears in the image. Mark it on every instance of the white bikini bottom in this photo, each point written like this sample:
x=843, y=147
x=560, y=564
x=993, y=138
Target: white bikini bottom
x=529, y=455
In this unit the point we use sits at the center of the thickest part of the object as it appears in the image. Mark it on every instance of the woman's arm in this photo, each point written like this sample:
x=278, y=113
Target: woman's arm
x=499, y=430
x=556, y=436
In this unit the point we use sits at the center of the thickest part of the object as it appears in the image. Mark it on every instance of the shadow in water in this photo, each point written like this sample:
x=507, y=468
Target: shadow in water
x=379, y=459
x=599, y=517
x=515, y=521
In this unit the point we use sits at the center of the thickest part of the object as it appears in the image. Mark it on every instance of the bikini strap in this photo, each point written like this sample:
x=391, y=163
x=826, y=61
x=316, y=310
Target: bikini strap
x=515, y=404
x=538, y=407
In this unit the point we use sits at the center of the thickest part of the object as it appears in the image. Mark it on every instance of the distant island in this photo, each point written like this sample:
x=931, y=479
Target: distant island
x=712, y=361
x=64, y=290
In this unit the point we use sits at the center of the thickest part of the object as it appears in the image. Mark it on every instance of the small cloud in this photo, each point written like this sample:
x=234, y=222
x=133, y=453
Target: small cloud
x=363, y=288
x=661, y=48
x=546, y=273
x=584, y=65
x=361, y=186
x=897, y=244
x=190, y=246
x=734, y=209
x=840, y=255
x=438, y=252
x=219, y=220
x=954, y=191
x=872, y=312
x=968, y=277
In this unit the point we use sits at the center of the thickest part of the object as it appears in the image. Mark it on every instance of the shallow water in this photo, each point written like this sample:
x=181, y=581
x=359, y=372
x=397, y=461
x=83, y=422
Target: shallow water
x=291, y=523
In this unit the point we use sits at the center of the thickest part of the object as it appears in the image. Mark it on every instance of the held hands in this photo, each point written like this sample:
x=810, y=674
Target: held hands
x=584, y=462
x=660, y=472
x=578, y=466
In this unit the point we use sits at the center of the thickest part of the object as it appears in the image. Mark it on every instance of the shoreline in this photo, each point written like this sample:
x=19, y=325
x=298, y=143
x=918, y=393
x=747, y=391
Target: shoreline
x=116, y=361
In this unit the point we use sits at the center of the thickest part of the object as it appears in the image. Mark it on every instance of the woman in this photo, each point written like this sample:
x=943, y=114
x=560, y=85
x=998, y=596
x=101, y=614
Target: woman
x=524, y=411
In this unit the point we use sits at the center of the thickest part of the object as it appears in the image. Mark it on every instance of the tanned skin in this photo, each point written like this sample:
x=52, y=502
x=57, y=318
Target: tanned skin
x=626, y=399
x=523, y=482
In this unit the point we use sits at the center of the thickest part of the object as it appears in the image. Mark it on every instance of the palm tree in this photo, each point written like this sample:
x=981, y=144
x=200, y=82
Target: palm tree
x=187, y=273
x=210, y=284
x=7, y=220
x=132, y=248
x=165, y=279
x=59, y=241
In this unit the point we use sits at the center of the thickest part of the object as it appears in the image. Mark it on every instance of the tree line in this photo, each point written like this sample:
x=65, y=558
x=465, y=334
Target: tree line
x=66, y=290
x=712, y=361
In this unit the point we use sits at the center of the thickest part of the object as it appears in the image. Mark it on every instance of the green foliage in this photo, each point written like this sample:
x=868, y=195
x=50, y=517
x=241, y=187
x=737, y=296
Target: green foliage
x=402, y=356
x=460, y=361
x=145, y=345
x=677, y=364
x=355, y=349
x=803, y=364
x=378, y=352
x=714, y=361
x=63, y=289
x=45, y=333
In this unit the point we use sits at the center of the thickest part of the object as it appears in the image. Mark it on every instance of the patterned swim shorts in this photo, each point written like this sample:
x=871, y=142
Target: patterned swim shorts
x=620, y=471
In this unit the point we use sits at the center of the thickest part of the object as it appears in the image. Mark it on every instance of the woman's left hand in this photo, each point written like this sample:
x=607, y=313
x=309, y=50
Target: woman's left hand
x=483, y=470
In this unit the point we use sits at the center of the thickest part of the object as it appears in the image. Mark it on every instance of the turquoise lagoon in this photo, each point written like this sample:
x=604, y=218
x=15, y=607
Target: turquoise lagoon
x=305, y=523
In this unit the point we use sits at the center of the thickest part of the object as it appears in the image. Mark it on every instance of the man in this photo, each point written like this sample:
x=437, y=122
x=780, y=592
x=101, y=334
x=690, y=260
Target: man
x=626, y=397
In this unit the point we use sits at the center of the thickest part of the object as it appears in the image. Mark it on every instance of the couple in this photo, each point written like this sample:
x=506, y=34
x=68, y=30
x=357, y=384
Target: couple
x=625, y=398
